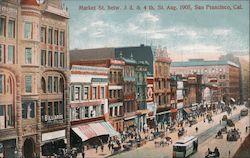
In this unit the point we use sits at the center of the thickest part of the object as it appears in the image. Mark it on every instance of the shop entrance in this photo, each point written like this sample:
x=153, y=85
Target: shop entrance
x=28, y=148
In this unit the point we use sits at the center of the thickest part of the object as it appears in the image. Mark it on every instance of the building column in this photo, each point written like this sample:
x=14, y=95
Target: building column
x=67, y=104
x=19, y=116
x=39, y=128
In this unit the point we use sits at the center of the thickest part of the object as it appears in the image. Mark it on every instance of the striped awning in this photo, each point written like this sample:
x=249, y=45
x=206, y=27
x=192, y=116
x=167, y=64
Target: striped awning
x=99, y=129
x=88, y=131
x=112, y=132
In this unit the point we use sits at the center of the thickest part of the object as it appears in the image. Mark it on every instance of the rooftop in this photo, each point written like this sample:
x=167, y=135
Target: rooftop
x=202, y=62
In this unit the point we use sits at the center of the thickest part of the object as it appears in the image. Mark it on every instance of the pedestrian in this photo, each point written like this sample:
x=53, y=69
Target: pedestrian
x=204, y=120
x=229, y=153
x=220, y=122
x=102, y=147
x=196, y=129
x=246, y=129
x=96, y=148
x=109, y=146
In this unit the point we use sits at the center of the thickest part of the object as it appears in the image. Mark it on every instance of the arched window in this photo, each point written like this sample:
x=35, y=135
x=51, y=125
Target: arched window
x=43, y=85
x=9, y=86
x=61, y=86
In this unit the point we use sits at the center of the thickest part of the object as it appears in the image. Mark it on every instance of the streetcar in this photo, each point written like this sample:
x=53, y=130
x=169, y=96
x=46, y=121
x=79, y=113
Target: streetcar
x=185, y=147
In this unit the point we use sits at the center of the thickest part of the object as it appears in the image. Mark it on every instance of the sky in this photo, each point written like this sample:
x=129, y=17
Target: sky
x=185, y=33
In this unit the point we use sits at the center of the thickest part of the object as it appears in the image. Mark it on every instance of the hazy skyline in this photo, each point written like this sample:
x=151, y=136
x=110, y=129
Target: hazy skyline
x=182, y=32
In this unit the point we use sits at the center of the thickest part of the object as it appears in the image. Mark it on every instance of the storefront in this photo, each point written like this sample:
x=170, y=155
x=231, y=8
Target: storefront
x=130, y=122
x=164, y=117
x=52, y=142
x=8, y=148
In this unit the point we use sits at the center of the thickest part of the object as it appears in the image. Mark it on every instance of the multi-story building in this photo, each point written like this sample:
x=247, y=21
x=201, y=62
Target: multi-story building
x=162, y=90
x=226, y=73
x=89, y=106
x=115, y=88
x=129, y=93
x=33, y=77
x=194, y=89
x=141, y=71
x=151, y=107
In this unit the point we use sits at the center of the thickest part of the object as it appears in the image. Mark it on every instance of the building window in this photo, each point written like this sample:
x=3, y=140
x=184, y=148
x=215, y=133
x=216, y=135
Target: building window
x=28, y=110
x=1, y=53
x=61, y=108
x=56, y=108
x=50, y=58
x=28, y=56
x=43, y=85
x=50, y=109
x=102, y=93
x=61, y=38
x=43, y=57
x=43, y=34
x=28, y=30
x=43, y=110
x=61, y=59
x=77, y=93
x=115, y=77
x=11, y=29
x=94, y=93
x=119, y=94
x=11, y=54
x=72, y=93
x=28, y=84
x=56, y=37
x=1, y=83
x=56, y=84
x=116, y=111
x=110, y=77
x=110, y=94
x=56, y=59
x=6, y=116
x=50, y=36
x=50, y=84
x=2, y=26
x=86, y=93
x=86, y=112
x=61, y=85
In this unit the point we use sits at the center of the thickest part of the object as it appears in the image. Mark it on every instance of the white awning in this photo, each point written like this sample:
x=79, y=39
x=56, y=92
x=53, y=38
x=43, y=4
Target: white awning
x=56, y=135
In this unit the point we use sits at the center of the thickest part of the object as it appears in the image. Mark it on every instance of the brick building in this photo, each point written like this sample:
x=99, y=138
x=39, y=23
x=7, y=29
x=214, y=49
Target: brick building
x=33, y=76
x=115, y=88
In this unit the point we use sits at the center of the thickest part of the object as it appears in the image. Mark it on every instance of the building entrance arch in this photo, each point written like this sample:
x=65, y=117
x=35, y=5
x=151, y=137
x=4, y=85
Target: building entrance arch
x=28, y=148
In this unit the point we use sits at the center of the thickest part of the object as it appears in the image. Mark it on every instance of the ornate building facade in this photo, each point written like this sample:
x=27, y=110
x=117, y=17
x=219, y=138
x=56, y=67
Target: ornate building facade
x=34, y=76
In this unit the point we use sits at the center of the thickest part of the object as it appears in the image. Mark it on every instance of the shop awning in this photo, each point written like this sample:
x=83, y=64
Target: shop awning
x=88, y=131
x=99, y=129
x=112, y=132
x=187, y=110
x=233, y=100
x=52, y=136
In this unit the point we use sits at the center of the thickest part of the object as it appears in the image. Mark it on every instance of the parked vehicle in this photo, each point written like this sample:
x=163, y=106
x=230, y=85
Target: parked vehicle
x=244, y=112
x=185, y=147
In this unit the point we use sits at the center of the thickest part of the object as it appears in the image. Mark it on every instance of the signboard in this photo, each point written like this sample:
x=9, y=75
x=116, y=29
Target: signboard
x=179, y=85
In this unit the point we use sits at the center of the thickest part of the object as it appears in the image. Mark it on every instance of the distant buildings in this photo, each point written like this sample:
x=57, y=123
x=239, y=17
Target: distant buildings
x=223, y=76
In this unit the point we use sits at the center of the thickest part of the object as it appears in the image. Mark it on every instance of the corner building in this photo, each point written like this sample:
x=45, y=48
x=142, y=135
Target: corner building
x=34, y=77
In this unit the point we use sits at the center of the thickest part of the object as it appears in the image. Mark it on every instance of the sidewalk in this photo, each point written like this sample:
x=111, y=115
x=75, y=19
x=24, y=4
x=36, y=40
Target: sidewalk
x=91, y=153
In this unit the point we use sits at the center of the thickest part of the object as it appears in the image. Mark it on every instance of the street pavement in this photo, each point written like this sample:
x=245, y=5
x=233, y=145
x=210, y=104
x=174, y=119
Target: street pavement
x=206, y=133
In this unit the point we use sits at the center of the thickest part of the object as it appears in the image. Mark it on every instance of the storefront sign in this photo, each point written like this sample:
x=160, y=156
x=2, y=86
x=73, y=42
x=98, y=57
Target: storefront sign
x=53, y=118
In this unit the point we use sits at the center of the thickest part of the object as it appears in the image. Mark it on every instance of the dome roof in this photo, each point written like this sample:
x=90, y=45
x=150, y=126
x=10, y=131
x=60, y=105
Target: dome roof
x=29, y=2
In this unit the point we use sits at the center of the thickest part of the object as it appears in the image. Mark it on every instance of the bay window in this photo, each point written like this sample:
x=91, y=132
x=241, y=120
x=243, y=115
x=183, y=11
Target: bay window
x=11, y=28
x=28, y=30
x=28, y=56
x=10, y=54
x=28, y=84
